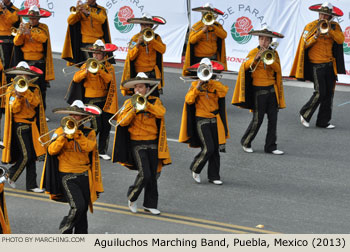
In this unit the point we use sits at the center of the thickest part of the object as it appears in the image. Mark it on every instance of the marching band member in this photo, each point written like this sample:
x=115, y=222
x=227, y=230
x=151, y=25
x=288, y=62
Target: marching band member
x=204, y=122
x=2, y=99
x=32, y=44
x=319, y=58
x=140, y=142
x=24, y=121
x=259, y=88
x=4, y=219
x=145, y=55
x=206, y=39
x=86, y=24
x=72, y=171
x=97, y=88
x=8, y=19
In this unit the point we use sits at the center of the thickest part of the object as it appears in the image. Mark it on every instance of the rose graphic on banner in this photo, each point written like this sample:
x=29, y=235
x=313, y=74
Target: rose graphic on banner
x=121, y=17
x=347, y=41
x=240, y=29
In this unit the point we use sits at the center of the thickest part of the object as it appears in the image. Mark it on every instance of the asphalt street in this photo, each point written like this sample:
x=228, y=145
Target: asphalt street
x=304, y=191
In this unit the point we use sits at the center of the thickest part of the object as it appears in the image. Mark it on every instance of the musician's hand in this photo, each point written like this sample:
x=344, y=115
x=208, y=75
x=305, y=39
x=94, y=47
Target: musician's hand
x=199, y=84
x=205, y=28
x=140, y=40
x=258, y=55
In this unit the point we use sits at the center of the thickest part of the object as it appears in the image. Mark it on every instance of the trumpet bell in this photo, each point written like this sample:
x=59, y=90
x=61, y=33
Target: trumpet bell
x=92, y=65
x=268, y=57
x=14, y=31
x=204, y=72
x=148, y=34
x=324, y=26
x=208, y=18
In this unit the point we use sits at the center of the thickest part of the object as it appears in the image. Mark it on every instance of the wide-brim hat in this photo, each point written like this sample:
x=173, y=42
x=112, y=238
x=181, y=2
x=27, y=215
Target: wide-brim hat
x=327, y=8
x=216, y=66
x=100, y=49
x=43, y=13
x=266, y=32
x=133, y=81
x=84, y=110
x=154, y=20
x=208, y=7
x=32, y=70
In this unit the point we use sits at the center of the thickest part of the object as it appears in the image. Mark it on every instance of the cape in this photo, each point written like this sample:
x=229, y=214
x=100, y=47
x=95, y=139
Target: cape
x=2, y=84
x=76, y=91
x=4, y=219
x=38, y=126
x=122, y=152
x=188, y=129
x=73, y=42
x=130, y=72
x=49, y=69
x=243, y=95
x=302, y=69
x=50, y=179
x=189, y=57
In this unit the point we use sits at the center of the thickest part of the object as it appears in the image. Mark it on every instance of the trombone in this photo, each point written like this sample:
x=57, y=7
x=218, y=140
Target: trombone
x=69, y=126
x=138, y=103
x=20, y=83
x=324, y=26
x=268, y=56
x=148, y=34
x=209, y=18
x=92, y=65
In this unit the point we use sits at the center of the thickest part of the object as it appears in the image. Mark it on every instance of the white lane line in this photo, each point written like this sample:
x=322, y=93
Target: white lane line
x=348, y=102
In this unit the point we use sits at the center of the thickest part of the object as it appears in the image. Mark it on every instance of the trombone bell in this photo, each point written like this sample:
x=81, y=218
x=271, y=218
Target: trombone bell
x=138, y=102
x=14, y=31
x=69, y=125
x=4, y=173
x=21, y=84
x=208, y=18
x=73, y=10
x=92, y=65
x=268, y=57
x=148, y=34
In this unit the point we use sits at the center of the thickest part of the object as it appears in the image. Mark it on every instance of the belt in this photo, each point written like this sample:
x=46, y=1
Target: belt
x=319, y=65
x=206, y=120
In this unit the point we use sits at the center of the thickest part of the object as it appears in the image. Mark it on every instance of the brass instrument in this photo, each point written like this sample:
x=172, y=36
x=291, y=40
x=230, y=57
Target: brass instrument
x=209, y=18
x=69, y=126
x=24, y=28
x=75, y=9
x=92, y=65
x=268, y=56
x=4, y=174
x=204, y=72
x=20, y=84
x=138, y=102
x=324, y=26
x=148, y=34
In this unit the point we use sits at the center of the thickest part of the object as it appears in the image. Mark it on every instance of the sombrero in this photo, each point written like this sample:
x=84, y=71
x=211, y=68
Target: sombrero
x=208, y=7
x=23, y=68
x=140, y=78
x=34, y=11
x=265, y=31
x=99, y=46
x=79, y=108
x=216, y=65
x=147, y=19
x=327, y=8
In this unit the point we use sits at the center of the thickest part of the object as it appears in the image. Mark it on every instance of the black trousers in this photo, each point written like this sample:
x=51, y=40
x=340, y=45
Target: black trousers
x=265, y=102
x=26, y=157
x=101, y=124
x=145, y=154
x=77, y=192
x=7, y=48
x=208, y=134
x=324, y=84
x=43, y=84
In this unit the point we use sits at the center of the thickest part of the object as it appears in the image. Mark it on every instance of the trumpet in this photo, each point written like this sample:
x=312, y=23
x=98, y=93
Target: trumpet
x=69, y=126
x=80, y=5
x=4, y=174
x=24, y=28
x=204, y=72
x=268, y=56
x=209, y=18
x=323, y=26
x=138, y=102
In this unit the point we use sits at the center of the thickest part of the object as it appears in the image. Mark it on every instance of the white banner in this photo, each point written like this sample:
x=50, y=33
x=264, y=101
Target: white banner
x=173, y=33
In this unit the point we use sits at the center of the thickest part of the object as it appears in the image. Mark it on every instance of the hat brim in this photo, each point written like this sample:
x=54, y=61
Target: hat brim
x=266, y=33
x=43, y=13
x=335, y=12
x=23, y=71
x=108, y=48
x=155, y=20
x=88, y=111
x=206, y=9
x=216, y=65
x=132, y=82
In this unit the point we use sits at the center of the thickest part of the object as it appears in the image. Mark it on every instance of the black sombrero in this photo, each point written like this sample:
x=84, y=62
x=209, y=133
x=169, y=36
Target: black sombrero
x=208, y=7
x=22, y=68
x=147, y=19
x=78, y=108
x=266, y=32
